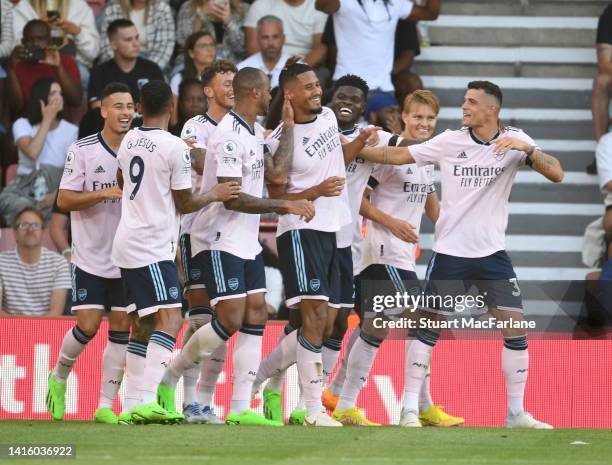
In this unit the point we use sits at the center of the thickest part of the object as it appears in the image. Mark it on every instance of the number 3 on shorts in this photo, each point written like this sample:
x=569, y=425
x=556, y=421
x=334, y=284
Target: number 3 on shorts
x=517, y=290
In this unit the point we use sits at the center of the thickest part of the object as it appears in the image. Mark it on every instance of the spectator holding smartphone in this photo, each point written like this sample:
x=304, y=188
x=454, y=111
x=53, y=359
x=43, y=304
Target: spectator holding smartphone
x=73, y=28
x=36, y=59
x=222, y=18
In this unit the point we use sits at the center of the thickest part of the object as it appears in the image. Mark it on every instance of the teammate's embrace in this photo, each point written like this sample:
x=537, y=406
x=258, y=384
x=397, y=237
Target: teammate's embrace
x=155, y=174
x=88, y=189
x=478, y=164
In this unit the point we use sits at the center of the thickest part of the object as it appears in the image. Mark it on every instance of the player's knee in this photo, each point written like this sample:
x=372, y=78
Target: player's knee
x=602, y=82
x=118, y=321
x=143, y=328
x=340, y=328
x=230, y=321
x=89, y=327
x=170, y=322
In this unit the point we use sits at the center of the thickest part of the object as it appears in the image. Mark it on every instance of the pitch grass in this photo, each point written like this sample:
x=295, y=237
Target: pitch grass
x=220, y=445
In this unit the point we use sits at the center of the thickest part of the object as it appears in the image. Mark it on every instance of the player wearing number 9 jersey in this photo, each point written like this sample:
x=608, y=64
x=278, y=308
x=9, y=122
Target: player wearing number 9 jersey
x=155, y=174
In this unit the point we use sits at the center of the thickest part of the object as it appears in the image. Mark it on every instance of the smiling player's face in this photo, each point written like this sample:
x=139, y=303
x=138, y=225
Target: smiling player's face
x=306, y=93
x=348, y=104
x=118, y=110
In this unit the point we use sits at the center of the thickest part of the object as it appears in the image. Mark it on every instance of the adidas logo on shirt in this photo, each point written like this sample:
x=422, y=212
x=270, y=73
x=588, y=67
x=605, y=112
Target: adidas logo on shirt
x=408, y=171
x=462, y=155
x=100, y=169
x=305, y=140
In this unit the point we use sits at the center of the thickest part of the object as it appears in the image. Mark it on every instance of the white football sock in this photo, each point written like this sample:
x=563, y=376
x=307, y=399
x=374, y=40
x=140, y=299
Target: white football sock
x=310, y=374
x=277, y=380
x=301, y=403
x=418, y=355
x=246, y=359
x=113, y=365
x=515, y=365
x=336, y=385
x=282, y=357
x=201, y=345
x=158, y=358
x=190, y=377
x=210, y=369
x=359, y=365
x=329, y=354
x=135, y=358
x=73, y=344
x=425, y=401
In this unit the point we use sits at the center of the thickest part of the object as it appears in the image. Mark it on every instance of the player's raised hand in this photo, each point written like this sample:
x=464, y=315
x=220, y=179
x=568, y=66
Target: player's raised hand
x=225, y=191
x=403, y=230
x=303, y=208
x=331, y=187
x=503, y=144
x=370, y=135
x=288, y=116
x=191, y=142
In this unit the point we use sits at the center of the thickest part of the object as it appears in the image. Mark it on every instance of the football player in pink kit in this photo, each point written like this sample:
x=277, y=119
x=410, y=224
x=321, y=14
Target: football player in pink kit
x=226, y=246
x=155, y=174
x=89, y=190
x=478, y=164
x=217, y=82
x=399, y=195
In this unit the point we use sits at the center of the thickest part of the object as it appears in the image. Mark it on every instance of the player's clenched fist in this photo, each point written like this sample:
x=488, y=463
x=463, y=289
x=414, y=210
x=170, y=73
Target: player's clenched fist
x=331, y=187
x=303, y=208
x=226, y=191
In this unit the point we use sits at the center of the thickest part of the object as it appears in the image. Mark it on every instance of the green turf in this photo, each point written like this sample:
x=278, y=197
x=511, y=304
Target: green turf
x=220, y=445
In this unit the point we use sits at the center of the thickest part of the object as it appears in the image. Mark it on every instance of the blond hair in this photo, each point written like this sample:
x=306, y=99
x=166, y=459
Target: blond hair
x=40, y=7
x=425, y=97
x=126, y=8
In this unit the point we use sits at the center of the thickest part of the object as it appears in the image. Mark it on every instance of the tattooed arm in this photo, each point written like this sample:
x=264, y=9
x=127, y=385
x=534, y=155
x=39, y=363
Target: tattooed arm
x=277, y=166
x=246, y=203
x=547, y=165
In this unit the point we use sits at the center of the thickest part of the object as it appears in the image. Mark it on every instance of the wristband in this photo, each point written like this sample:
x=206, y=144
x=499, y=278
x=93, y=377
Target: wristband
x=67, y=250
x=530, y=151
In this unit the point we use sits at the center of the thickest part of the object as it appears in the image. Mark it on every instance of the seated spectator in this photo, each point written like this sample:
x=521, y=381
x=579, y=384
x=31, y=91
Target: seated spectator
x=42, y=136
x=270, y=39
x=125, y=66
x=222, y=18
x=73, y=28
x=37, y=59
x=303, y=27
x=155, y=25
x=363, y=32
x=200, y=52
x=191, y=102
x=33, y=280
x=602, y=85
x=6, y=31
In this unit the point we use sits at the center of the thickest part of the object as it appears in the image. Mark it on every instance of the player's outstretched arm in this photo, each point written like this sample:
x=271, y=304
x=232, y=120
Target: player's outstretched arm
x=277, y=166
x=352, y=149
x=427, y=12
x=545, y=164
x=432, y=207
x=198, y=155
x=387, y=155
x=246, y=203
x=331, y=187
x=398, y=228
x=73, y=201
x=187, y=202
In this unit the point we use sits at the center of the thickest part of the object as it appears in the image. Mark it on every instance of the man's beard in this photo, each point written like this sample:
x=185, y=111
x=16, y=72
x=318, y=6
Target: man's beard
x=316, y=111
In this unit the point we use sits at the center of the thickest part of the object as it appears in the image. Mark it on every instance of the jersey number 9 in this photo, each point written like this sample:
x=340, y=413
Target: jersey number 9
x=136, y=178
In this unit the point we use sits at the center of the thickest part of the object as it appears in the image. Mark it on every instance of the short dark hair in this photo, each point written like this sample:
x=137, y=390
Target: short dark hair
x=36, y=22
x=155, y=98
x=114, y=88
x=34, y=210
x=246, y=79
x=190, y=71
x=218, y=67
x=39, y=92
x=117, y=24
x=489, y=88
x=351, y=80
x=290, y=72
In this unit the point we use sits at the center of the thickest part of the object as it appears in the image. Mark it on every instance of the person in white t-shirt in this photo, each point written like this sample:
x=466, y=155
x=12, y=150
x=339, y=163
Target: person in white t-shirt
x=154, y=169
x=478, y=164
x=271, y=57
x=226, y=247
x=217, y=84
x=89, y=190
x=365, y=34
x=303, y=27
